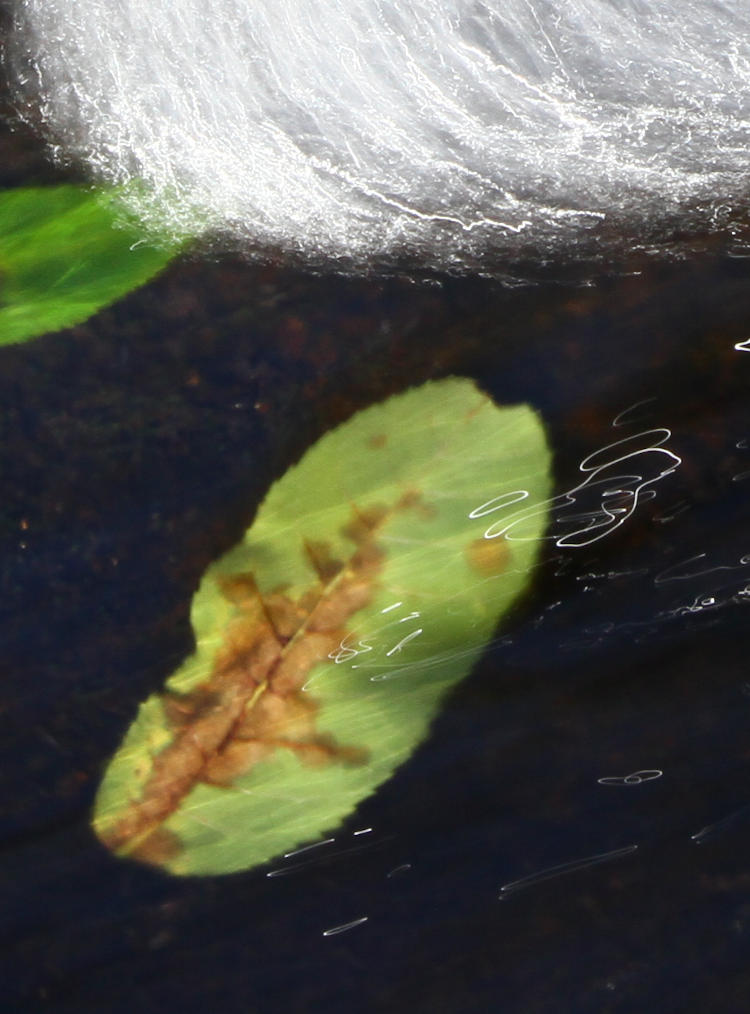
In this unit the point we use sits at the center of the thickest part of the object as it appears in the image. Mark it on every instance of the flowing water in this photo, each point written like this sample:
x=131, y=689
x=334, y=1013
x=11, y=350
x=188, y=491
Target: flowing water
x=548, y=198
x=455, y=133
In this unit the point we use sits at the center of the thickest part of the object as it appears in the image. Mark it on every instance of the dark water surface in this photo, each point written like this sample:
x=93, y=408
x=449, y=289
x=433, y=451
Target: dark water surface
x=512, y=864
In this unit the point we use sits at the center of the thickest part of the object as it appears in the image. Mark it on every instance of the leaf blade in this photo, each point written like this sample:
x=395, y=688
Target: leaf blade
x=65, y=252
x=426, y=458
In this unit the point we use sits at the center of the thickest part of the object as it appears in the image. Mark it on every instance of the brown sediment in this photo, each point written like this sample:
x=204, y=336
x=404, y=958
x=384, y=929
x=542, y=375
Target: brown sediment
x=253, y=702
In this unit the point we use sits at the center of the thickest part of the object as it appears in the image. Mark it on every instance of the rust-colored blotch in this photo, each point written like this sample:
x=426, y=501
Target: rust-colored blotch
x=488, y=557
x=253, y=702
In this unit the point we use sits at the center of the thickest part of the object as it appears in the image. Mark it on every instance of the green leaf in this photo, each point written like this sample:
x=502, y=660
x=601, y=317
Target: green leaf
x=326, y=640
x=65, y=252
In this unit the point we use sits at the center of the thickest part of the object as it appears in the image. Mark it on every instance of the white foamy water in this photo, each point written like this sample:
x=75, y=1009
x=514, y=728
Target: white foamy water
x=450, y=133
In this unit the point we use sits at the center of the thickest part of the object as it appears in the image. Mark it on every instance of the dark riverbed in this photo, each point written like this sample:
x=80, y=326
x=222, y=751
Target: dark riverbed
x=136, y=448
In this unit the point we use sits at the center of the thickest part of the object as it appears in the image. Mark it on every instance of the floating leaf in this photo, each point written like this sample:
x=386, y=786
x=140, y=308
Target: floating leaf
x=326, y=639
x=65, y=252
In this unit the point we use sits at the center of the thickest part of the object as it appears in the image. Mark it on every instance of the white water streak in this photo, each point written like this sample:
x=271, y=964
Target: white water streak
x=447, y=132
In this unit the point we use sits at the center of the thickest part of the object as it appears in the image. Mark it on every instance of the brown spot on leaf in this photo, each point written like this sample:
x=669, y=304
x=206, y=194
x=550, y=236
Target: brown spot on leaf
x=412, y=499
x=488, y=557
x=363, y=522
x=237, y=757
x=158, y=847
x=377, y=441
x=332, y=612
x=285, y=615
x=323, y=749
x=325, y=565
x=253, y=702
x=299, y=659
x=239, y=589
x=183, y=708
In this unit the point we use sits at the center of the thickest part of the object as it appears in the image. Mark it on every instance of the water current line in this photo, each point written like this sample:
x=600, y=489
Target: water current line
x=552, y=872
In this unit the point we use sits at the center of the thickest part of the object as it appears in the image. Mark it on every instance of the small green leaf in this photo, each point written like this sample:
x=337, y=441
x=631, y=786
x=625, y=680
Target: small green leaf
x=326, y=640
x=65, y=252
